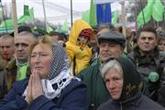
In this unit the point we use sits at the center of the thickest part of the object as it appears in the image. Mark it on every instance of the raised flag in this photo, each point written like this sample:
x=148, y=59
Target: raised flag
x=158, y=11
x=104, y=13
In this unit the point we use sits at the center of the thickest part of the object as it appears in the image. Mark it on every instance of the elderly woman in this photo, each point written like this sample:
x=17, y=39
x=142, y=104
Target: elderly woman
x=124, y=85
x=50, y=85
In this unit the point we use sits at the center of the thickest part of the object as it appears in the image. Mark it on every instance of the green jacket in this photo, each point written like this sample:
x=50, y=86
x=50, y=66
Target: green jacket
x=97, y=92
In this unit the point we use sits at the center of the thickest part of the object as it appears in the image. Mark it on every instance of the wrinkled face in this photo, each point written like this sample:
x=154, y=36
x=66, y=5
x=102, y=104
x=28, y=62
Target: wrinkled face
x=114, y=83
x=109, y=50
x=41, y=58
x=147, y=41
x=7, y=48
x=161, y=45
x=22, y=46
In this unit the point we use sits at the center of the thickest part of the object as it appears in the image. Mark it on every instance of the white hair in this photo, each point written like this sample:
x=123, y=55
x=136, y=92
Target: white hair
x=112, y=64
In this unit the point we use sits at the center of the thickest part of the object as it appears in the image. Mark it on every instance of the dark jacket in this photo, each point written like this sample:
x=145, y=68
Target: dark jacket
x=139, y=103
x=73, y=97
x=96, y=90
x=131, y=97
x=146, y=64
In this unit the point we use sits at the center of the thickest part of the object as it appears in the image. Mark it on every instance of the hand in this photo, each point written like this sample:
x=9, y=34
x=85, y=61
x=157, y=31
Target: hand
x=28, y=97
x=36, y=85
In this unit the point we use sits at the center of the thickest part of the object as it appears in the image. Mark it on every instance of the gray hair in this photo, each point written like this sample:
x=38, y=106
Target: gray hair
x=112, y=64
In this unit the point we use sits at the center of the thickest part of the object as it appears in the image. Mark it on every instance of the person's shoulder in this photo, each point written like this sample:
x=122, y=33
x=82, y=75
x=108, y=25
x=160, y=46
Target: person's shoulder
x=149, y=104
x=88, y=72
x=76, y=83
x=106, y=106
x=20, y=85
x=75, y=86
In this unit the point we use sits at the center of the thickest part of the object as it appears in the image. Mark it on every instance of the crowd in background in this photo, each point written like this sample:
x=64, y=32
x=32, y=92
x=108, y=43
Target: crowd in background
x=91, y=68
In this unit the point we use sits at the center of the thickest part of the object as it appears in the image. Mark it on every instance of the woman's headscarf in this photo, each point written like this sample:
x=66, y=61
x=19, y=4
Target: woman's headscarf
x=132, y=84
x=59, y=62
x=59, y=74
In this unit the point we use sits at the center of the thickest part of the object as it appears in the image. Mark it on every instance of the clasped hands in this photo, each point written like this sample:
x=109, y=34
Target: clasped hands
x=34, y=89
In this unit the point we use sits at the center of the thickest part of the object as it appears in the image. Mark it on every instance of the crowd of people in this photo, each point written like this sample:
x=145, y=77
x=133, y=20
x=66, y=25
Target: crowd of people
x=89, y=69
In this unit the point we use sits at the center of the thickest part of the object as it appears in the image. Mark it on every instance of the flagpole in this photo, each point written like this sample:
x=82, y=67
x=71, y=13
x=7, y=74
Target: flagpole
x=14, y=15
x=45, y=20
x=142, y=12
x=71, y=12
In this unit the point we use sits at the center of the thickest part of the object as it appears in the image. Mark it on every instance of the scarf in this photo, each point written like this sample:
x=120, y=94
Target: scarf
x=53, y=88
x=59, y=75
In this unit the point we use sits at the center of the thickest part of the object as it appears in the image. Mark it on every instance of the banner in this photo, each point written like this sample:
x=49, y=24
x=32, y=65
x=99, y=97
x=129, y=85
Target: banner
x=104, y=14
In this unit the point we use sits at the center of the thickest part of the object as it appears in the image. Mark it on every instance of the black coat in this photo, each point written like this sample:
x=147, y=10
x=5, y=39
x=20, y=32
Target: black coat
x=139, y=103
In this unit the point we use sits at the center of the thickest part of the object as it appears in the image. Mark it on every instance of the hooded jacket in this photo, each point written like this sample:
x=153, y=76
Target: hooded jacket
x=80, y=58
x=131, y=97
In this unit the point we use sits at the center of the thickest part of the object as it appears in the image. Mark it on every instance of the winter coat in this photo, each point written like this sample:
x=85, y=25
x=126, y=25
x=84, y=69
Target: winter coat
x=146, y=64
x=79, y=57
x=73, y=97
x=96, y=90
x=131, y=97
x=141, y=102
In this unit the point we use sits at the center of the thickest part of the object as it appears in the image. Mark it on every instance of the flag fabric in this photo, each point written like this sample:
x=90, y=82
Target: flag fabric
x=115, y=17
x=85, y=16
x=65, y=27
x=7, y=23
x=104, y=13
x=99, y=13
x=26, y=10
x=28, y=15
x=158, y=11
x=145, y=15
x=92, y=16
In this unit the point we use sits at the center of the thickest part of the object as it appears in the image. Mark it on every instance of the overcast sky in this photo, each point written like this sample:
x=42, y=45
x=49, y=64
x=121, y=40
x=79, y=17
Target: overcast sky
x=57, y=9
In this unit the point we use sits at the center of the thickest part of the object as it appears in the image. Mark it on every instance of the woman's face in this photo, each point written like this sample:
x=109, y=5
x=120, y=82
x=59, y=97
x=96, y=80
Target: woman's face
x=41, y=58
x=114, y=83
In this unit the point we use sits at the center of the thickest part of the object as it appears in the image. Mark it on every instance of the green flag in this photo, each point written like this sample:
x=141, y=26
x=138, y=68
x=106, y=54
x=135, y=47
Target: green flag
x=145, y=15
x=92, y=17
x=65, y=27
x=49, y=29
x=7, y=23
x=115, y=16
x=158, y=11
x=28, y=15
x=85, y=16
x=26, y=10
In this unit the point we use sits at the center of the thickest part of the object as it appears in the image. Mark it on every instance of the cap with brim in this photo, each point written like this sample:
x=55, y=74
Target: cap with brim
x=111, y=36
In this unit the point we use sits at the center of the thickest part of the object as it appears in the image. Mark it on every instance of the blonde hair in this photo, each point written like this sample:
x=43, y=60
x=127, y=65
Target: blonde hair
x=42, y=40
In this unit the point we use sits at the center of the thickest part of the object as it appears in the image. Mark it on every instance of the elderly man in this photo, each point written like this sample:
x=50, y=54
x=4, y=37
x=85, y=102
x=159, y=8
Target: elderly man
x=111, y=45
